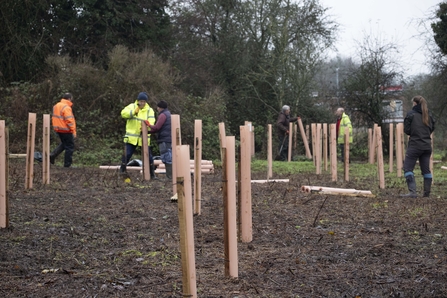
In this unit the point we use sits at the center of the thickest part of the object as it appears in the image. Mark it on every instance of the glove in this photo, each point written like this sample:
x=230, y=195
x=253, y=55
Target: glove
x=147, y=123
x=137, y=109
x=287, y=132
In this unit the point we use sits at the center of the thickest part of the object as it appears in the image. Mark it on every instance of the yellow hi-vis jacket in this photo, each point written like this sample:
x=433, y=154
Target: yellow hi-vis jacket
x=344, y=122
x=133, y=125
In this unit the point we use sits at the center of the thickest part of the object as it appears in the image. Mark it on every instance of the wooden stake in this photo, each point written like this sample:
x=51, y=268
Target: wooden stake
x=347, y=153
x=317, y=149
x=380, y=167
x=325, y=145
x=391, y=161
x=245, y=186
x=145, y=152
x=197, y=165
x=314, y=149
x=289, y=155
x=176, y=141
x=269, y=153
x=222, y=137
x=399, y=144
x=305, y=138
x=333, y=151
x=29, y=175
x=370, y=146
x=46, y=149
x=4, y=160
x=186, y=221
x=230, y=211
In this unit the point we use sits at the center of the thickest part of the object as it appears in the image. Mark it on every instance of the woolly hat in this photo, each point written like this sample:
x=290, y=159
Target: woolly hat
x=162, y=104
x=142, y=96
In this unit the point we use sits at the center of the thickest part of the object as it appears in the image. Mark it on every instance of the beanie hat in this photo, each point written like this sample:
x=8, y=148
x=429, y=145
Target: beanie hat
x=162, y=104
x=142, y=96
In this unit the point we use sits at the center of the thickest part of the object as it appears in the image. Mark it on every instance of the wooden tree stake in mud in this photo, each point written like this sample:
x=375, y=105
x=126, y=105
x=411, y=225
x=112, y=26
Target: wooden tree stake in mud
x=269, y=153
x=391, y=161
x=380, y=167
x=145, y=152
x=317, y=149
x=46, y=149
x=230, y=211
x=222, y=136
x=314, y=149
x=176, y=141
x=305, y=138
x=333, y=151
x=183, y=180
x=197, y=166
x=29, y=175
x=399, y=150
x=370, y=146
x=346, y=153
x=289, y=155
x=4, y=183
x=251, y=130
x=245, y=219
x=325, y=143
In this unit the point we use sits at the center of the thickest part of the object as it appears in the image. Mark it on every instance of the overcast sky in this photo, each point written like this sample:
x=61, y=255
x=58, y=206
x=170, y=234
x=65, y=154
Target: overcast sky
x=392, y=20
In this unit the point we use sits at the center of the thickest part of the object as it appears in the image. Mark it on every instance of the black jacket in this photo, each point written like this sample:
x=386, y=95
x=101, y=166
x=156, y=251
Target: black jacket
x=420, y=134
x=283, y=123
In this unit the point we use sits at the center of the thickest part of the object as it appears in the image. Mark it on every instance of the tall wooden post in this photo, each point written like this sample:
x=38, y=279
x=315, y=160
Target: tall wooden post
x=176, y=141
x=325, y=145
x=346, y=157
x=230, y=211
x=46, y=149
x=391, y=161
x=317, y=149
x=183, y=180
x=4, y=177
x=305, y=138
x=269, y=153
x=314, y=149
x=399, y=145
x=289, y=155
x=370, y=146
x=245, y=207
x=333, y=150
x=380, y=167
x=145, y=152
x=197, y=166
x=29, y=175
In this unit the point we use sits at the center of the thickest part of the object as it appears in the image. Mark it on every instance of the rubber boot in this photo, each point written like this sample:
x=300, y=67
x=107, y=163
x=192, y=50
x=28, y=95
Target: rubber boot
x=123, y=168
x=427, y=187
x=168, y=171
x=152, y=171
x=411, y=187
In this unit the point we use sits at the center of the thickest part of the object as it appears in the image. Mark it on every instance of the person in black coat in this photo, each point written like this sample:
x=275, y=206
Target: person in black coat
x=419, y=125
x=283, y=131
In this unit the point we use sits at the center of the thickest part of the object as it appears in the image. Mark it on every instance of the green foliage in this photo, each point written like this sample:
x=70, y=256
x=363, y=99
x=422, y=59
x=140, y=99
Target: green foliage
x=440, y=28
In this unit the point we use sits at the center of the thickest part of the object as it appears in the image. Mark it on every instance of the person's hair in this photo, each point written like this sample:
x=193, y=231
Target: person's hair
x=285, y=108
x=67, y=96
x=421, y=101
x=341, y=110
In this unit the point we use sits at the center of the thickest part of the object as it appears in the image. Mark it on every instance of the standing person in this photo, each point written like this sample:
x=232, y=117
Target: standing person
x=64, y=124
x=418, y=124
x=343, y=121
x=164, y=139
x=283, y=132
x=135, y=113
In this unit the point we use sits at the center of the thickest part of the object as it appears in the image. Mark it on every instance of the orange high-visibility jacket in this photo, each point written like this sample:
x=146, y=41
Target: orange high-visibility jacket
x=63, y=119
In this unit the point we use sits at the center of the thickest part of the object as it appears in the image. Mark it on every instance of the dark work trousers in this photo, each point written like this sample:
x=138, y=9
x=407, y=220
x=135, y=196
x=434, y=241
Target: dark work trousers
x=412, y=155
x=130, y=149
x=342, y=154
x=67, y=144
x=283, y=147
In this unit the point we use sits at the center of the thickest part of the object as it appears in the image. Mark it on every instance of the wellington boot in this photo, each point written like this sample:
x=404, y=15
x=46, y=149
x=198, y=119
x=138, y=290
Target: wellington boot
x=427, y=187
x=168, y=171
x=152, y=171
x=411, y=187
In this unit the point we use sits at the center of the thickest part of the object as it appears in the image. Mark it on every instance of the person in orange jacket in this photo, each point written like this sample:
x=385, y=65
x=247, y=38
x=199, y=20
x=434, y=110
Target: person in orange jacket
x=64, y=124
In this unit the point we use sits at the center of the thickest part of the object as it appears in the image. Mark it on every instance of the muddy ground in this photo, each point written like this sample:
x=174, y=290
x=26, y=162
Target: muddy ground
x=89, y=234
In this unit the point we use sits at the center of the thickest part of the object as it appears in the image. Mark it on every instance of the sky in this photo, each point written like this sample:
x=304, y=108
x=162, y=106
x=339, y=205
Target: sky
x=392, y=20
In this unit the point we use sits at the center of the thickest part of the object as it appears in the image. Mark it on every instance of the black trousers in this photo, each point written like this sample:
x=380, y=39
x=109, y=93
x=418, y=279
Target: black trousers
x=283, y=147
x=67, y=144
x=412, y=155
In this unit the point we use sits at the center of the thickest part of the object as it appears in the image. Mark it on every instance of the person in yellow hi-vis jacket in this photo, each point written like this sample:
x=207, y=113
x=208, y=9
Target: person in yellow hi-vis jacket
x=135, y=113
x=343, y=121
